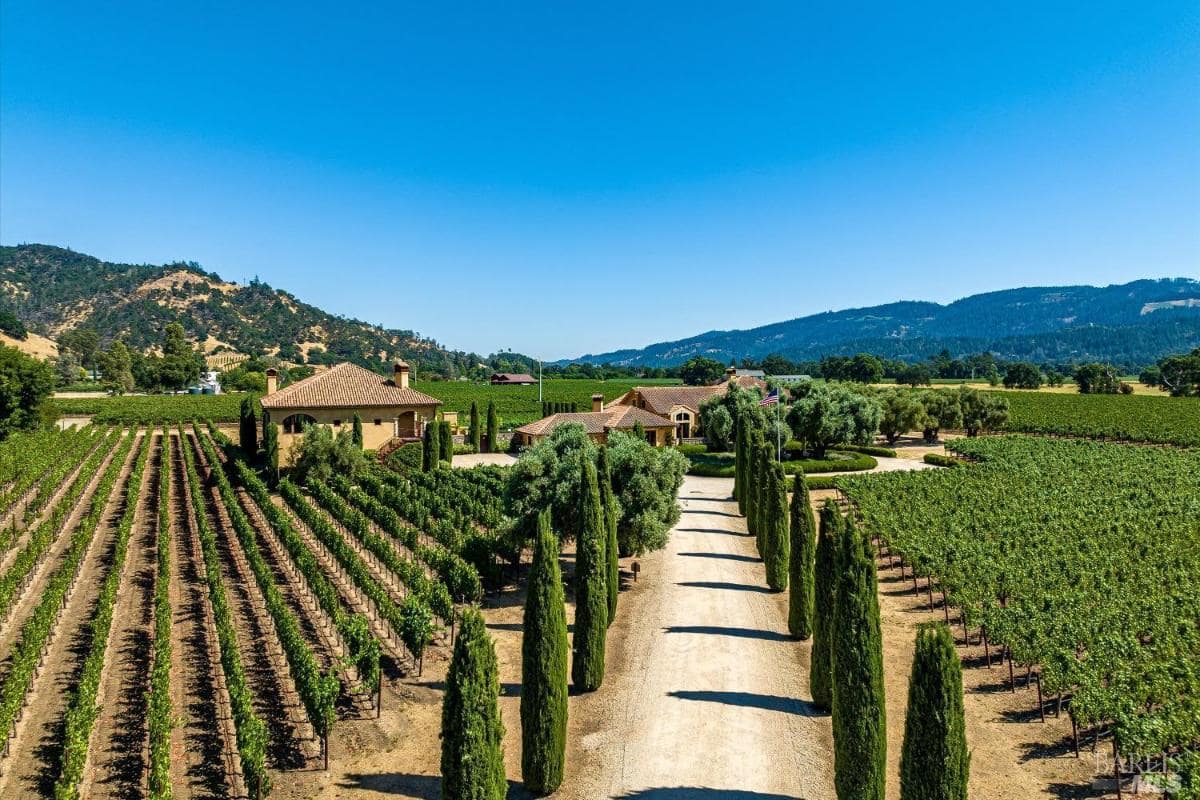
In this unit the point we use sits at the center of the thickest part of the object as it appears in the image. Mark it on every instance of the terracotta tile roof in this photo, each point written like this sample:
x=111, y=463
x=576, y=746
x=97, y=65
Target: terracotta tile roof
x=620, y=418
x=660, y=399
x=346, y=386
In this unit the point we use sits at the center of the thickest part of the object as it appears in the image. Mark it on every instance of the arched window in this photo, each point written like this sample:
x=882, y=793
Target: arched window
x=296, y=423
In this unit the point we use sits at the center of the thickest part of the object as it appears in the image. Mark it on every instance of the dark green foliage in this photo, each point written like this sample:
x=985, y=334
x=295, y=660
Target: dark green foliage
x=544, y=668
x=775, y=539
x=474, y=434
x=356, y=432
x=859, y=716
x=612, y=514
x=25, y=387
x=430, y=446
x=801, y=532
x=472, y=733
x=934, y=760
x=493, y=428
x=639, y=431
x=248, y=429
x=701, y=371
x=271, y=454
x=762, y=489
x=11, y=325
x=445, y=442
x=591, y=593
x=820, y=673
x=407, y=458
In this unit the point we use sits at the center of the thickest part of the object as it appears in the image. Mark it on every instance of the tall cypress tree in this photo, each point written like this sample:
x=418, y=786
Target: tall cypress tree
x=248, y=429
x=430, y=445
x=445, y=442
x=356, y=432
x=591, y=592
x=271, y=453
x=752, y=480
x=608, y=504
x=934, y=760
x=472, y=733
x=776, y=534
x=493, y=426
x=859, y=717
x=474, y=433
x=739, y=466
x=544, y=668
x=820, y=672
x=801, y=530
x=762, y=497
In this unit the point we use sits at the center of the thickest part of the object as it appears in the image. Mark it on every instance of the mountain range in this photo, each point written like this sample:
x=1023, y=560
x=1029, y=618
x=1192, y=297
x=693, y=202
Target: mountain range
x=1130, y=324
x=51, y=290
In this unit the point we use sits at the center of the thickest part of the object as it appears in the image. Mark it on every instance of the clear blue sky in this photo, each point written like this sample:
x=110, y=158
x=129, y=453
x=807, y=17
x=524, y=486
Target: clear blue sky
x=560, y=178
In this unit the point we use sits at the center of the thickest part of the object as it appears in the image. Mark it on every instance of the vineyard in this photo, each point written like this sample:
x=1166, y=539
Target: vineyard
x=170, y=627
x=1134, y=418
x=172, y=409
x=1075, y=561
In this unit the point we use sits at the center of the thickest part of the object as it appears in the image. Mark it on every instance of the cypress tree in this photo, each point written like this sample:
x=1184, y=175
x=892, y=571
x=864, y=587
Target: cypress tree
x=248, y=429
x=762, y=510
x=356, y=433
x=608, y=502
x=475, y=432
x=801, y=530
x=493, y=426
x=638, y=431
x=472, y=733
x=544, y=668
x=445, y=442
x=934, y=760
x=776, y=533
x=271, y=453
x=591, y=593
x=752, y=479
x=737, y=462
x=820, y=672
x=859, y=717
x=429, y=447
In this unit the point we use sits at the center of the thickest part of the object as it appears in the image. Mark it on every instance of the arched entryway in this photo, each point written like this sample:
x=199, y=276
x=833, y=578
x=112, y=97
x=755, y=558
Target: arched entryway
x=296, y=423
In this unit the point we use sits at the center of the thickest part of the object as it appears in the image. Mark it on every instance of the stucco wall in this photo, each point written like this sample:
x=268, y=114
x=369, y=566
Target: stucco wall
x=392, y=422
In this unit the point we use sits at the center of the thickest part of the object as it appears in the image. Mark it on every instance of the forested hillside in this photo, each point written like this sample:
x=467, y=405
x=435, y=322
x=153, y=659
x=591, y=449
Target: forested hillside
x=1131, y=325
x=51, y=291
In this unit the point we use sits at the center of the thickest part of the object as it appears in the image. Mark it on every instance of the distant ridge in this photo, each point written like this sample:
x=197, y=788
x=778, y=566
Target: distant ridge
x=1128, y=324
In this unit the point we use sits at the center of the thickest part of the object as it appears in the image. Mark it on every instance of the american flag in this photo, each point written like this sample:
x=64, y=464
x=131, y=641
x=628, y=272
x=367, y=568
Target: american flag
x=771, y=399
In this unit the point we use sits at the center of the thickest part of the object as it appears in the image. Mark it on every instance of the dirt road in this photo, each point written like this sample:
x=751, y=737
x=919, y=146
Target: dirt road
x=706, y=695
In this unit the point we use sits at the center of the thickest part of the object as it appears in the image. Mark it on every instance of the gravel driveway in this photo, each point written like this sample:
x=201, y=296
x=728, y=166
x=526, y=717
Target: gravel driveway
x=706, y=695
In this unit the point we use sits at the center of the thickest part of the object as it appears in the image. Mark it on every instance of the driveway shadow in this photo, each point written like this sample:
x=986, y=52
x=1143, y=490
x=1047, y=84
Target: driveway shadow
x=768, y=702
x=724, y=557
x=742, y=633
x=700, y=793
x=712, y=530
x=737, y=587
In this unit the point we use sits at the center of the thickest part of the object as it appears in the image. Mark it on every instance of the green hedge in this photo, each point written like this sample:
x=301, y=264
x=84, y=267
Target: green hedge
x=870, y=449
x=692, y=449
x=813, y=482
x=713, y=465
x=939, y=460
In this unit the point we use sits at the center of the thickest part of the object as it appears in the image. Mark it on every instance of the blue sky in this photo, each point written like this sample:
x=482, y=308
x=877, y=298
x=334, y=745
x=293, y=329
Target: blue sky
x=565, y=178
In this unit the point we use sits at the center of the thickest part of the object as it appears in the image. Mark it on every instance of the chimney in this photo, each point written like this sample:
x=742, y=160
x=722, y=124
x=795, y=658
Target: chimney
x=731, y=373
x=400, y=374
x=597, y=402
x=272, y=380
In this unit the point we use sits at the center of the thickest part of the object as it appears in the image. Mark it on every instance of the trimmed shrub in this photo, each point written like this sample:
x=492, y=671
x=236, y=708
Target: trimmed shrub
x=859, y=716
x=815, y=482
x=430, y=444
x=837, y=461
x=407, y=458
x=801, y=532
x=544, y=668
x=934, y=760
x=356, y=431
x=445, y=442
x=472, y=733
x=591, y=593
x=939, y=460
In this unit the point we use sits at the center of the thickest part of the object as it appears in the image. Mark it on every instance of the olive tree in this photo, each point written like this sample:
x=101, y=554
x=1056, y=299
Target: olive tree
x=824, y=415
x=645, y=481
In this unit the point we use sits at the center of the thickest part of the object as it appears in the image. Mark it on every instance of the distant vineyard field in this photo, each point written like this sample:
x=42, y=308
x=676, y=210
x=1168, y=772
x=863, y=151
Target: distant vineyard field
x=517, y=405
x=1135, y=418
x=153, y=409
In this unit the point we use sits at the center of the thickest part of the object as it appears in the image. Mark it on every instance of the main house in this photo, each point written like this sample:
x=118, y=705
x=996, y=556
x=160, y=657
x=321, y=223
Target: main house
x=599, y=423
x=681, y=404
x=388, y=407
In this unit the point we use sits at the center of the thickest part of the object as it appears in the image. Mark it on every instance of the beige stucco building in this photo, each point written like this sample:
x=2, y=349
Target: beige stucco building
x=599, y=423
x=388, y=407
